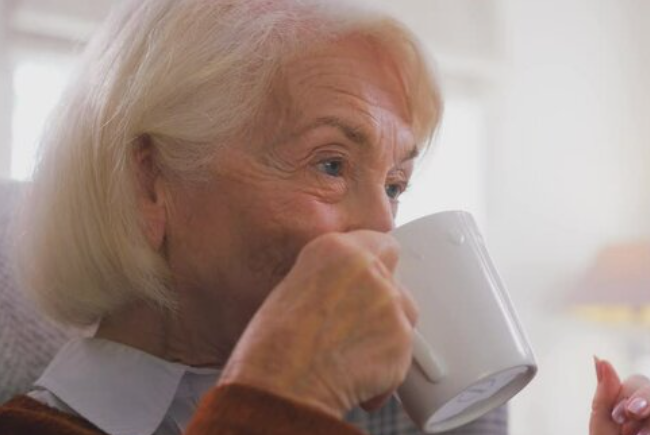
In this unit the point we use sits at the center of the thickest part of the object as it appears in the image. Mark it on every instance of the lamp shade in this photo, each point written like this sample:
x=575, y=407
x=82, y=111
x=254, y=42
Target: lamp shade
x=616, y=287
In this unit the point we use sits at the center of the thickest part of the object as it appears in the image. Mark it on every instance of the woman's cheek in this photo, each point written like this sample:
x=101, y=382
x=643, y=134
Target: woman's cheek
x=327, y=189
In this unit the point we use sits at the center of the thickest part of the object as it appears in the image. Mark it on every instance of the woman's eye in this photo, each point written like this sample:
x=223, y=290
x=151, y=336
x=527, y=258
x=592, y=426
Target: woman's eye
x=393, y=191
x=333, y=167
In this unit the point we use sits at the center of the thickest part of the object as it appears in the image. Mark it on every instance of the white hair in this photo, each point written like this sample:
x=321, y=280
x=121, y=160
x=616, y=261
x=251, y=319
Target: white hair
x=188, y=75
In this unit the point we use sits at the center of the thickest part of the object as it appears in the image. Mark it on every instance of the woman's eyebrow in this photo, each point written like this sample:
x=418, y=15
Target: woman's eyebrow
x=354, y=133
x=413, y=154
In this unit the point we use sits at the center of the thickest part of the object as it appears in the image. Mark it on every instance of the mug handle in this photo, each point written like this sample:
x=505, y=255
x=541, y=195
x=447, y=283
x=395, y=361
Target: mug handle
x=426, y=360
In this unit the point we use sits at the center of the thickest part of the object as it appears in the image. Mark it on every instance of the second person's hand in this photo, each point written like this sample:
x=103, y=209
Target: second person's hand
x=620, y=408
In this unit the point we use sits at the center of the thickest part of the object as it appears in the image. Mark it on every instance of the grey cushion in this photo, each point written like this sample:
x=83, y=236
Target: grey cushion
x=27, y=341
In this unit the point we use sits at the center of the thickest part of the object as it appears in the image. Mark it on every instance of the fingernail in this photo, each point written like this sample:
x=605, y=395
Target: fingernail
x=618, y=415
x=643, y=432
x=599, y=375
x=637, y=406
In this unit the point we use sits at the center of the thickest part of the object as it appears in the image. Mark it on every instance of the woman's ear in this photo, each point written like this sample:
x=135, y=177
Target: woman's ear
x=150, y=192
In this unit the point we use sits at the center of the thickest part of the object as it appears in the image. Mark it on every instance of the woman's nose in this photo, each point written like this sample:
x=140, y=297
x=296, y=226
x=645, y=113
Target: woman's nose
x=372, y=211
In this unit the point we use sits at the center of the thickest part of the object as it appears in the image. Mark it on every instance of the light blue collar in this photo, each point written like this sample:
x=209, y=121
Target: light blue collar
x=124, y=391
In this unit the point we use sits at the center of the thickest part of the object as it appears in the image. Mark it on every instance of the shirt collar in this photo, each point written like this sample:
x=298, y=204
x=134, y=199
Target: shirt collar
x=119, y=389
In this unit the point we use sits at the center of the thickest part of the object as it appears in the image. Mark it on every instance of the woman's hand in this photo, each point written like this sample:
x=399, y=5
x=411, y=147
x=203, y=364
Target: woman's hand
x=336, y=332
x=607, y=393
x=620, y=408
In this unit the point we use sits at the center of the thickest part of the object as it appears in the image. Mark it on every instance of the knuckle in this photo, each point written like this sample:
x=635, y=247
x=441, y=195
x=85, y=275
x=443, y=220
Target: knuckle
x=396, y=317
x=376, y=273
x=638, y=380
x=392, y=244
x=643, y=392
x=327, y=246
x=404, y=346
x=407, y=332
x=332, y=243
x=388, y=246
x=409, y=302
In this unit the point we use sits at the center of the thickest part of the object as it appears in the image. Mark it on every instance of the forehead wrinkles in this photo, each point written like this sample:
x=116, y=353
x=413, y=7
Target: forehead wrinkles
x=357, y=82
x=349, y=80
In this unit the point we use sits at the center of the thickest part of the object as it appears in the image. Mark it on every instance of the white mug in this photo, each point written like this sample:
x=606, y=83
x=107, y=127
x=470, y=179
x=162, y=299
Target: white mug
x=470, y=353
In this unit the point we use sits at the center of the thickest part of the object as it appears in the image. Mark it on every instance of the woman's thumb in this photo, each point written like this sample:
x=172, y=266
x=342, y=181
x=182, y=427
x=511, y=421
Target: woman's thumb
x=607, y=391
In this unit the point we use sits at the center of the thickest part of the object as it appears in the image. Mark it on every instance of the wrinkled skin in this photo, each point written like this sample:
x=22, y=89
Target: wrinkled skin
x=299, y=212
x=240, y=234
x=336, y=332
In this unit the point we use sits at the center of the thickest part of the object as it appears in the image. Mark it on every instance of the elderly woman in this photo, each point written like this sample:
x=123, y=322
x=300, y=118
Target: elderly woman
x=213, y=199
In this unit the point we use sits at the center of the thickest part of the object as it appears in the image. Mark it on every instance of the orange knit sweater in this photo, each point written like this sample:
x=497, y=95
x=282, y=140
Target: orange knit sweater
x=226, y=410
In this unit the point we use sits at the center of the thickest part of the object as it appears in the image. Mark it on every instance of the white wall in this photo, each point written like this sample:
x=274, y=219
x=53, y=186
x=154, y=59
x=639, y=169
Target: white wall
x=41, y=30
x=568, y=173
x=567, y=162
x=637, y=31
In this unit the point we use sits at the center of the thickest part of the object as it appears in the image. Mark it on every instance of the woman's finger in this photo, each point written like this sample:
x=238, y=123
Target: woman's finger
x=632, y=427
x=376, y=402
x=632, y=404
x=409, y=306
x=605, y=398
x=633, y=384
x=637, y=407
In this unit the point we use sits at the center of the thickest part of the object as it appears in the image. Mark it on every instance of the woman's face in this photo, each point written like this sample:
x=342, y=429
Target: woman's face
x=342, y=153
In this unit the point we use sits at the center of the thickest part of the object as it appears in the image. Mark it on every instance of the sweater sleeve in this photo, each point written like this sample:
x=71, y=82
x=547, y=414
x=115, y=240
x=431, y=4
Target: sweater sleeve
x=237, y=409
x=25, y=416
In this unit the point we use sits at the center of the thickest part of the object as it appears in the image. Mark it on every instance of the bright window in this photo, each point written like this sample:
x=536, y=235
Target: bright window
x=451, y=175
x=38, y=82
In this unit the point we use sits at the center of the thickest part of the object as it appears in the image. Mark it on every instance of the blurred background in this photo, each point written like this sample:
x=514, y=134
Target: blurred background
x=544, y=139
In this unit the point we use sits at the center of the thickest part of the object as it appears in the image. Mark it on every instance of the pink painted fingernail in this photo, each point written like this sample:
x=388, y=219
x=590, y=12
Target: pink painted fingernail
x=643, y=432
x=618, y=415
x=637, y=406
